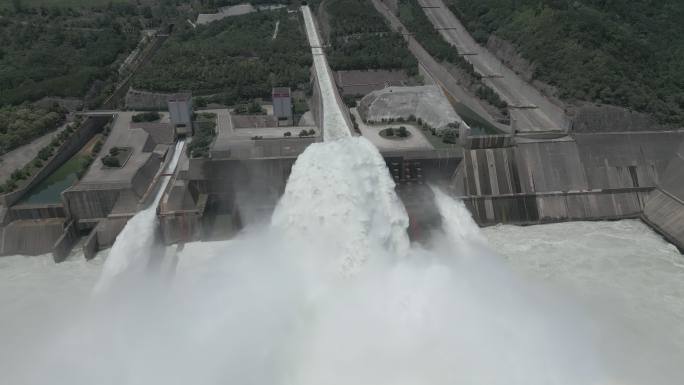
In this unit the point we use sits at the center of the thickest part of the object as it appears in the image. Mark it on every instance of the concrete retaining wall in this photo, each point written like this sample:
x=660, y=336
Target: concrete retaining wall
x=36, y=212
x=31, y=237
x=90, y=126
x=665, y=207
x=65, y=243
x=666, y=214
x=556, y=207
x=181, y=227
x=316, y=100
x=90, y=246
x=91, y=203
x=588, y=177
x=146, y=100
x=143, y=177
x=108, y=229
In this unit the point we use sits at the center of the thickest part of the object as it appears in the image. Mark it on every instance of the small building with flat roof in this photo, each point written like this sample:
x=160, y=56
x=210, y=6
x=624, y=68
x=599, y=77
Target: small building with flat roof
x=180, y=111
x=282, y=103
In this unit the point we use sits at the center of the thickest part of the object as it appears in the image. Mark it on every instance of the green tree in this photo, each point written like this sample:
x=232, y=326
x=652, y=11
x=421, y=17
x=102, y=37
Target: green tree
x=16, y=4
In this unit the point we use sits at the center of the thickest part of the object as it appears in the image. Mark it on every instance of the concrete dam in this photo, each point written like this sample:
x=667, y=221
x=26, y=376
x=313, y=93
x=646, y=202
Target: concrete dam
x=581, y=176
x=524, y=178
x=589, y=172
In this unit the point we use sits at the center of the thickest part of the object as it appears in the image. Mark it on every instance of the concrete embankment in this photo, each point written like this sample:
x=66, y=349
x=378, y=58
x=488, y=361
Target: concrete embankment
x=665, y=206
x=579, y=177
x=38, y=228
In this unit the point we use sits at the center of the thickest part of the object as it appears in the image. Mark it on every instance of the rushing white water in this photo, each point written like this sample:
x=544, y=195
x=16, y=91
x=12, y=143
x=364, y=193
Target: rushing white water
x=342, y=196
x=331, y=293
x=132, y=249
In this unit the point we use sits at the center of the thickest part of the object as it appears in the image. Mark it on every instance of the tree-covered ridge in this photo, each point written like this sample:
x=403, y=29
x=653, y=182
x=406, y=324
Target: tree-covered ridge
x=236, y=55
x=360, y=39
x=59, y=52
x=348, y=17
x=628, y=53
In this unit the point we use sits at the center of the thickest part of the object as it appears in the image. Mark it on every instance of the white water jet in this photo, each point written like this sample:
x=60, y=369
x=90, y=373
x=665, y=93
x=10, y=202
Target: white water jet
x=130, y=253
x=330, y=293
x=340, y=194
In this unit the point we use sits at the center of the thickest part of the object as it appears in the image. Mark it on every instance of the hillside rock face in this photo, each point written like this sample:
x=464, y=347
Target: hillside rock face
x=507, y=53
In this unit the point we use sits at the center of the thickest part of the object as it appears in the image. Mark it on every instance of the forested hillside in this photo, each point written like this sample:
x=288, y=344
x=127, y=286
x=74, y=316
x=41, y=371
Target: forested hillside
x=236, y=56
x=60, y=49
x=360, y=39
x=59, y=52
x=628, y=53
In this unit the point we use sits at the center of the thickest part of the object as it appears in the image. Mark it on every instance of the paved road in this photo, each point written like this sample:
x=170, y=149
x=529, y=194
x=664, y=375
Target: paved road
x=436, y=71
x=19, y=157
x=530, y=110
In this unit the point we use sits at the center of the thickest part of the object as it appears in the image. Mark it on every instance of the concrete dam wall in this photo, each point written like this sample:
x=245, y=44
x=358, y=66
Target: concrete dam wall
x=665, y=207
x=580, y=177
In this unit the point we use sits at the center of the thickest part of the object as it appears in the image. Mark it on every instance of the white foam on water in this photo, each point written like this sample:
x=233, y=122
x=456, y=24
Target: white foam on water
x=627, y=276
x=132, y=248
x=332, y=293
x=340, y=194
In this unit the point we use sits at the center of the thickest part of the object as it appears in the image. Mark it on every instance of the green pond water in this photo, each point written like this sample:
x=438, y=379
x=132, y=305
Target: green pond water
x=478, y=125
x=49, y=189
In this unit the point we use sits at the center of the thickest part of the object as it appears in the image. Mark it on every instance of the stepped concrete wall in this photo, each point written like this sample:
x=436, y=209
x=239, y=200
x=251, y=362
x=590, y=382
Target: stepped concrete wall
x=146, y=100
x=584, y=177
x=90, y=126
x=65, y=243
x=41, y=211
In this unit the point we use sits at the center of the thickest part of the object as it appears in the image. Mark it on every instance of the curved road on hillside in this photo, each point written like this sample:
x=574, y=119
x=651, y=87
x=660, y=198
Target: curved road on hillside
x=436, y=70
x=529, y=109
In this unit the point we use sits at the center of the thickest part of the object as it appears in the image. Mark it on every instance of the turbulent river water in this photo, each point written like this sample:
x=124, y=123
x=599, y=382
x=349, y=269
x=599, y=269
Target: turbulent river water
x=332, y=292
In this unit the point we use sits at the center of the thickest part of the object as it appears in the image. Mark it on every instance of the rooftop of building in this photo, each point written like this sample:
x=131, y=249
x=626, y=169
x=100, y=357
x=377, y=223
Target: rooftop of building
x=281, y=92
x=180, y=97
x=236, y=137
x=141, y=145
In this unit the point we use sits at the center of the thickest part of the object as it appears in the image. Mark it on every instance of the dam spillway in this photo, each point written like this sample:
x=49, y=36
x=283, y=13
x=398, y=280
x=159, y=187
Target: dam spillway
x=331, y=290
x=581, y=176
